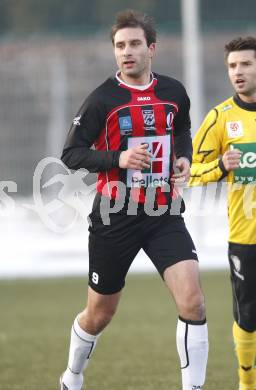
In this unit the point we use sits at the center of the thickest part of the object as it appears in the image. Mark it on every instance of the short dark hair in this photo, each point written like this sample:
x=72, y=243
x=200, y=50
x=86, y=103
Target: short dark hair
x=132, y=18
x=239, y=44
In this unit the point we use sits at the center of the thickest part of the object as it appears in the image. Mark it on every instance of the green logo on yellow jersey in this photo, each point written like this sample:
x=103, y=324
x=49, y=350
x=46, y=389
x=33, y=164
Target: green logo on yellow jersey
x=246, y=173
x=248, y=160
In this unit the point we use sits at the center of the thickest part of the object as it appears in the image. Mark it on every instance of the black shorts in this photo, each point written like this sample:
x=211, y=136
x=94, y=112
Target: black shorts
x=112, y=248
x=242, y=260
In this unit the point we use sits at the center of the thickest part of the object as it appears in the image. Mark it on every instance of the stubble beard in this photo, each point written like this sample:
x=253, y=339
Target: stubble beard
x=134, y=73
x=245, y=91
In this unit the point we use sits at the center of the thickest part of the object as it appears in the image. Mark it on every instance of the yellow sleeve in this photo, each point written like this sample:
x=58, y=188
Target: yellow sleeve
x=206, y=164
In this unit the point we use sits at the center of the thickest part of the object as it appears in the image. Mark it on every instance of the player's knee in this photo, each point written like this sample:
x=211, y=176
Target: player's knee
x=106, y=315
x=100, y=318
x=193, y=307
x=199, y=310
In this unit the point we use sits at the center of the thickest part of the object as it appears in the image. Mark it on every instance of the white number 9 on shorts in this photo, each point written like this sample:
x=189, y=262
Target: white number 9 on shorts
x=95, y=278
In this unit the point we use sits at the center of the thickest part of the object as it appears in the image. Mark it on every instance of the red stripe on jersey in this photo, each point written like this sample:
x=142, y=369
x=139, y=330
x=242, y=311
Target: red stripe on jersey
x=137, y=121
x=109, y=139
x=108, y=183
x=161, y=196
x=160, y=119
x=142, y=195
x=100, y=143
x=137, y=195
x=113, y=133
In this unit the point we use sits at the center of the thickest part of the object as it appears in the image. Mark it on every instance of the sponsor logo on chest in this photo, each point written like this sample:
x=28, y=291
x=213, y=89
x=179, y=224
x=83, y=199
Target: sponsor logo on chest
x=159, y=148
x=125, y=124
x=143, y=99
x=246, y=173
x=248, y=160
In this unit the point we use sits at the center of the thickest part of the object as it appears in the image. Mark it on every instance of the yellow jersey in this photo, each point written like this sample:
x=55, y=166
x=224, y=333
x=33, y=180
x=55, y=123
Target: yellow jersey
x=231, y=124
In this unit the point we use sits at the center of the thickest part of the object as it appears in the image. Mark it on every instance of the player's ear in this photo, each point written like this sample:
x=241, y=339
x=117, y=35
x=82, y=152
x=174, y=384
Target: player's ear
x=152, y=49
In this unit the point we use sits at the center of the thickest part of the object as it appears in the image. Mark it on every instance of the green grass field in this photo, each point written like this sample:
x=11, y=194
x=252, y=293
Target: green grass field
x=137, y=351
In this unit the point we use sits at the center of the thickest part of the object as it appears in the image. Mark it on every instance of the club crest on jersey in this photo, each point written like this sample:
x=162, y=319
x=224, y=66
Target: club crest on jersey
x=149, y=119
x=235, y=129
x=125, y=124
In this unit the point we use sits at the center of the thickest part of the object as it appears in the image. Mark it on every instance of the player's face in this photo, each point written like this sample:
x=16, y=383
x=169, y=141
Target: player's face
x=242, y=73
x=133, y=56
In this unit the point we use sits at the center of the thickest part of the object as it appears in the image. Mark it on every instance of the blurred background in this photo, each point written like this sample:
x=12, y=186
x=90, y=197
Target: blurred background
x=53, y=54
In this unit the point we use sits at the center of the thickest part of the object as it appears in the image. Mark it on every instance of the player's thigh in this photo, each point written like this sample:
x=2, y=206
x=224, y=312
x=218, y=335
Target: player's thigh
x=109, y=263
x=183, y=282
x=111, y=252
x=182, y=279
x=173, y=253
x=242, y=260
x=169, y=242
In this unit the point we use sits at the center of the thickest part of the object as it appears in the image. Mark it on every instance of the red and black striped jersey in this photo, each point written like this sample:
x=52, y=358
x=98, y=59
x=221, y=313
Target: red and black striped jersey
x=117, y=116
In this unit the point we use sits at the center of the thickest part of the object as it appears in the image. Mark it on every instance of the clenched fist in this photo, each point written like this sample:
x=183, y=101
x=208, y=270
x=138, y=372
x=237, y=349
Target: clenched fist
x=135, y=158
x=231, y=159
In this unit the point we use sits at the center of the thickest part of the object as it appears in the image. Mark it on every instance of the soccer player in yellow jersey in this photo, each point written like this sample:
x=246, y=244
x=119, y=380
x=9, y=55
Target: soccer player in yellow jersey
x=225, y=146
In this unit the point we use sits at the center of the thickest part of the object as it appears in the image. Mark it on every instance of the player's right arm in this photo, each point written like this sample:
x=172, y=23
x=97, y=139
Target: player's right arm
x=79, y=149
x=87, y=130
x=207, y=165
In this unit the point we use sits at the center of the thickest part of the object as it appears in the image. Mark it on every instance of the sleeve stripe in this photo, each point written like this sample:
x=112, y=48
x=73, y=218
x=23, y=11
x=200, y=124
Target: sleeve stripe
x=207, y=152
x=207, y=171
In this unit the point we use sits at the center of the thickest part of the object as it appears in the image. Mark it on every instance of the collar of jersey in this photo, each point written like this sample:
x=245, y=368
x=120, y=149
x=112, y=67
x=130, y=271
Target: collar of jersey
x=244, y=105
x=139, y=88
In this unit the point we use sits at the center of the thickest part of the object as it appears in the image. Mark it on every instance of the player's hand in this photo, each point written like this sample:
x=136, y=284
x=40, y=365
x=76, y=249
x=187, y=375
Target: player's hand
x=135, y=158
x=183, y=167
x=231, y=159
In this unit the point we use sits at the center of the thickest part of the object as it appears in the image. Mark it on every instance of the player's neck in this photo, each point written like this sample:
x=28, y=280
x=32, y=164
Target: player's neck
x=248, y=98
x=136, y=81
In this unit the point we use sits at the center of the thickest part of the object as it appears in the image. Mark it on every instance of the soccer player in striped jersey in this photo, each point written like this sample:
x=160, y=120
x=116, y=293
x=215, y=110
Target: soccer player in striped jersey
x=137, y=121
